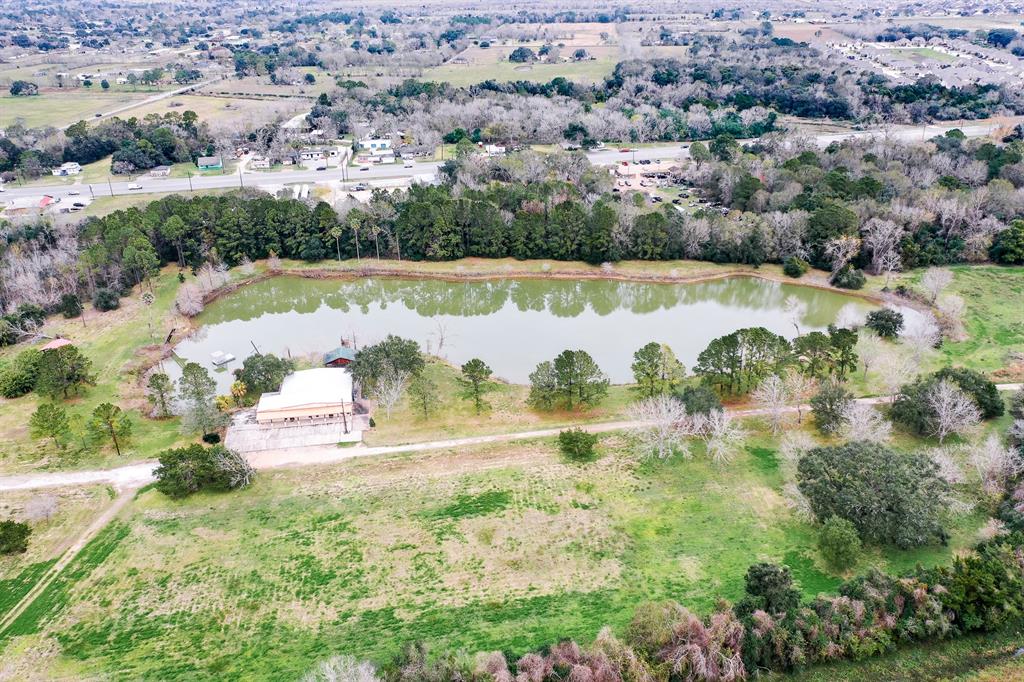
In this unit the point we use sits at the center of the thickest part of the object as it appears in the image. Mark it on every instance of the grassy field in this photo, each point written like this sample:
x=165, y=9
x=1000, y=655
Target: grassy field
x=494, y=547
x=921, y=54
x=469, y=74
x=63, y=107
x=227, y=110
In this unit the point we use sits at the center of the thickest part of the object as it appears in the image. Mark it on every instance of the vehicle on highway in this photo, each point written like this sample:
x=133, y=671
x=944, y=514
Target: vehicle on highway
x=362, y=168
x=74, y=193
x=97, y=115
x=625, y=150
x=134, y=186
x=321, y=168
x=408, y=165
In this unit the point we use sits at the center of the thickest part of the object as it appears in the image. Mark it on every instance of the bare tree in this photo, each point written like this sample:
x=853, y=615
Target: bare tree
x=841, y=251
x=189, y=300
x=391, y=387
x=951, y=317
x=725, y=436
x=896, y=369
x=995, y=464
x=934, y=281
x=921, y=334
x=342, y=669
x=799, y=389
x=953, y=410
x=773, y=398
x=863, y=422
x=889, y=263
x=240, y=472
x=795, y=311
x=949, y=468
x=871, y=348
x=661, y=426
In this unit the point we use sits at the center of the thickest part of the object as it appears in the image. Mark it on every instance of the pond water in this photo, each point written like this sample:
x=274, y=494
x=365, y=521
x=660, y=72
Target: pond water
x=510, y=324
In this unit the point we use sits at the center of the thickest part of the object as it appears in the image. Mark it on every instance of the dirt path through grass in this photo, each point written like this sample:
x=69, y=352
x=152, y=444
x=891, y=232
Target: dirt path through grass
x=70, y=553
x=137, y=475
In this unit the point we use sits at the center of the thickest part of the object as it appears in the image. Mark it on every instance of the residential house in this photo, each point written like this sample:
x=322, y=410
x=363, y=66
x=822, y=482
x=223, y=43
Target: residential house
x=69, y=168
x=209, y=163
x=260, y=162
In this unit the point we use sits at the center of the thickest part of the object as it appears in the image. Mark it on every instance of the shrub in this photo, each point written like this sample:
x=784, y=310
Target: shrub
x=890, y=498
x=578, y=445
x=70, y=306
x=839, y=543
x=211, y=438
x=1017, y=404
x=14, y=537
x=1008, y=246
x=795, y=267
x=187, y=470
x=106, y=299
x=886, y=322
x=699, y=400
x=769, y=588
x=849, y=278
x=18, y=377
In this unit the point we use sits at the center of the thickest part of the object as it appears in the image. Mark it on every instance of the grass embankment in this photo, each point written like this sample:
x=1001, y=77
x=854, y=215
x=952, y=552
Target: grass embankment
x=503, y=546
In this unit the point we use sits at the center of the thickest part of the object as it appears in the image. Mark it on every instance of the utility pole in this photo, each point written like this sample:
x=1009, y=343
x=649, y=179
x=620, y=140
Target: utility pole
x=189, y=174
x=110, y=186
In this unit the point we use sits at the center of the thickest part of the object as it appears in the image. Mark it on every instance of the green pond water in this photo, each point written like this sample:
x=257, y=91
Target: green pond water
x=510, y=324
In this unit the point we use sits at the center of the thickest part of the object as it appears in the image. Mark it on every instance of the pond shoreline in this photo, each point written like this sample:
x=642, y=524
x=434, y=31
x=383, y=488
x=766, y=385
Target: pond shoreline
x=454, y=273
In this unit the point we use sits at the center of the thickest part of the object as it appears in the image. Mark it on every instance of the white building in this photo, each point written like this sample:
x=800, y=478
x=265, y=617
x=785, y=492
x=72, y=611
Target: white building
x=311, y=394
x=375, y=145
x=69, y=168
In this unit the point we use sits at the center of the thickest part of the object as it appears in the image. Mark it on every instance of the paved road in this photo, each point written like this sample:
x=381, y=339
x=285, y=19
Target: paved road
x=426, y=170
x=137, y=475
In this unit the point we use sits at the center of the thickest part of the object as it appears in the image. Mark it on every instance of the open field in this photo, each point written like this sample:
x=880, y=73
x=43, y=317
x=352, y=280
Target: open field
x=227, y=110
x=63, y=107
x=501, y=546
x=261, y=85
x=469, y=74
x=921, y=54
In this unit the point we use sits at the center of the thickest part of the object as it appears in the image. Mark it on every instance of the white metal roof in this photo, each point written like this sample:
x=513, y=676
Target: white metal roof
x=310, y=387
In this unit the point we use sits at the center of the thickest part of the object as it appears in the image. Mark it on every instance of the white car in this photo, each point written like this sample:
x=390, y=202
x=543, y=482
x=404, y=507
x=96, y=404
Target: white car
x=134, y=186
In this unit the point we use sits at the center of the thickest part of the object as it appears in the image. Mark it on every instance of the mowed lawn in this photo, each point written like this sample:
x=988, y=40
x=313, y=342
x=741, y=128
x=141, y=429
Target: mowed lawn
x=503, y=547
x=63, y=107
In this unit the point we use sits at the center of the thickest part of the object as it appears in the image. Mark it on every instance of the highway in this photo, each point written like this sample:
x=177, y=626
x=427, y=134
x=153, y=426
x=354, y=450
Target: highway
x=425, y=170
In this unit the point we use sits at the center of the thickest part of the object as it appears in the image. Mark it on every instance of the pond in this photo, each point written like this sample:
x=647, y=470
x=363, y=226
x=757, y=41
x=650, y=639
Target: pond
x=510, y=324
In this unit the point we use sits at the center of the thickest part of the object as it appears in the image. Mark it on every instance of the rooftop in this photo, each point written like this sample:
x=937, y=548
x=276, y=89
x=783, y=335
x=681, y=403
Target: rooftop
x=310, y=387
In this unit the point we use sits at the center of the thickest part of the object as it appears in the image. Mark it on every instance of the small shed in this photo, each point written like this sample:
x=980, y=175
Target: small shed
x=339, y=357
x=55, y=344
